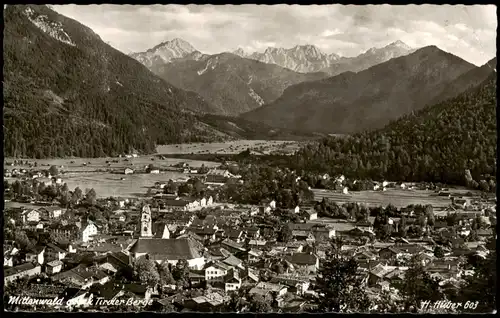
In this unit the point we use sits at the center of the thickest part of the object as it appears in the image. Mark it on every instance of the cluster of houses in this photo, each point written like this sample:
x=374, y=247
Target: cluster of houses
x=225, y=250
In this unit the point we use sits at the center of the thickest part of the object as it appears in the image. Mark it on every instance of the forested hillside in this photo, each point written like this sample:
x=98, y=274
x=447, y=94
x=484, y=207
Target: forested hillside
x=435, y=144
x=67, y=93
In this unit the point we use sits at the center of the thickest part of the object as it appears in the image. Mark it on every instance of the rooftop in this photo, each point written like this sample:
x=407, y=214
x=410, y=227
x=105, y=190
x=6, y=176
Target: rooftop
x=172, y=249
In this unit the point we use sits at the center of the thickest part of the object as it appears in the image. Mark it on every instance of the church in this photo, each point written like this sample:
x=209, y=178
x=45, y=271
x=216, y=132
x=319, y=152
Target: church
x=161, y=248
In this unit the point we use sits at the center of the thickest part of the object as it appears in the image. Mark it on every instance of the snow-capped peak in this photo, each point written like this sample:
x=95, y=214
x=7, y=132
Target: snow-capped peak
x=400, y=44
x=240, y=52
x=165, y=52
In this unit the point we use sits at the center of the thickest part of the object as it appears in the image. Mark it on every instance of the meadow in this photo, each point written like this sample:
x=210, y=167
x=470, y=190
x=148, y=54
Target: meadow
x=106, y=178
x=231, y=147
x=397, y=197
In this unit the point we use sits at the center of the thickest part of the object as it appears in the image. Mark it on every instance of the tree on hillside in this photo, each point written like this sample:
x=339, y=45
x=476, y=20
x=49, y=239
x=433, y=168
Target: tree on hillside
x=340, y=288
x=438, y=251
x=418, y=286
x=171, y=187
x=482, y=286
x=145, y=270
x=259, y=304
x=166, y=277
x=53, y=171
x=91, y=197
x=180, y=273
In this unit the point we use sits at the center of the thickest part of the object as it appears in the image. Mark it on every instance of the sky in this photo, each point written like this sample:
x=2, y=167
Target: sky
x=348, y=30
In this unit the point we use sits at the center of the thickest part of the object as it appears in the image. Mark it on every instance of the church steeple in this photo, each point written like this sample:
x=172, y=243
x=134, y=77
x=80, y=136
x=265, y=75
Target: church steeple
x=146, y=222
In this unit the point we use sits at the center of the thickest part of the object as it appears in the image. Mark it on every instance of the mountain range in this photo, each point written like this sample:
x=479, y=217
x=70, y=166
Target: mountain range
x=353, y=102
x=309, y=58
x=67, y=93
x=239, y=82
x=233, y=85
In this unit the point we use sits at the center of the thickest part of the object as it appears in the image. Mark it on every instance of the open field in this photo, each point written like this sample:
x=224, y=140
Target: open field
x=399, y=198
x=110, y=184
x=98, y=174
x=100, y=163
x=231, y=147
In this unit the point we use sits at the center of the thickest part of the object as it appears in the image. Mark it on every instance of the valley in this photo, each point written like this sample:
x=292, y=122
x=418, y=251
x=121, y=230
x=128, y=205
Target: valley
x=251, y=180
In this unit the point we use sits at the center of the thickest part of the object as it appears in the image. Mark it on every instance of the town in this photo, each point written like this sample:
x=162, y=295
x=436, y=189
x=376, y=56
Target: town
x=234, y=238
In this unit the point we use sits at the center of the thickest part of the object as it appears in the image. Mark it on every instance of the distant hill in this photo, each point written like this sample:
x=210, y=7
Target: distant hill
x=468, y=80
x=436, y=144
x=309, y=58
x=231, y=84
x=67, y=93
x=240, y=128
x=353, y=102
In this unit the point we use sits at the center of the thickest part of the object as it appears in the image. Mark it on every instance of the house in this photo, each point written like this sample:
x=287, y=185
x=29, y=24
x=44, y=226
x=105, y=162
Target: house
x=195, y=277
x=210, y=302
x=216, y=272
x=257, y=243
x=365, y=225
x=36, y=255
x=51, y=212
x=232, y=246
x=205, y=233
x=460, y=202
x=54, y=252
x=309, y=214
x=304, y=262
x=206, y=201
x=217, y=253
x=364, y=256
x=154, y=171
x=30, y=216
x=377, y=274
x=233, y=261
x=8, y=256
x=82, y=276
x=54, y=267
x=390, y=252
x=233, y=234
x=253, y=232
x=232, y=281
x=265, y=288
x=485, y=233
x=112, y=262
x=87, y=230
x=323, y=233
x=272, y=204
x=128, y=171
x=168, y=250
x=249, y=277
x=294, y=284
x=177, y=205
x=23, y=270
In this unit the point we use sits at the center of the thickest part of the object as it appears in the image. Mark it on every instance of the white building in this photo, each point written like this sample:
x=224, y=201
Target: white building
x=216, y=272
x=89, y=230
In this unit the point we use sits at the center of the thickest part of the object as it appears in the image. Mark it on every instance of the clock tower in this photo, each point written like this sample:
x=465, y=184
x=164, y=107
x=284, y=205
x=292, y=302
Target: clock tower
x=146, y=222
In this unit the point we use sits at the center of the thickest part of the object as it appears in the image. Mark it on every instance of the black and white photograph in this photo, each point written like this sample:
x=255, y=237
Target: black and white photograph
x=250, y=158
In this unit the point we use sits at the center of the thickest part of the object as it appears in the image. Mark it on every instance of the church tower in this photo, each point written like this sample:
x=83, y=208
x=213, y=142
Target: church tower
x=146, y=222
